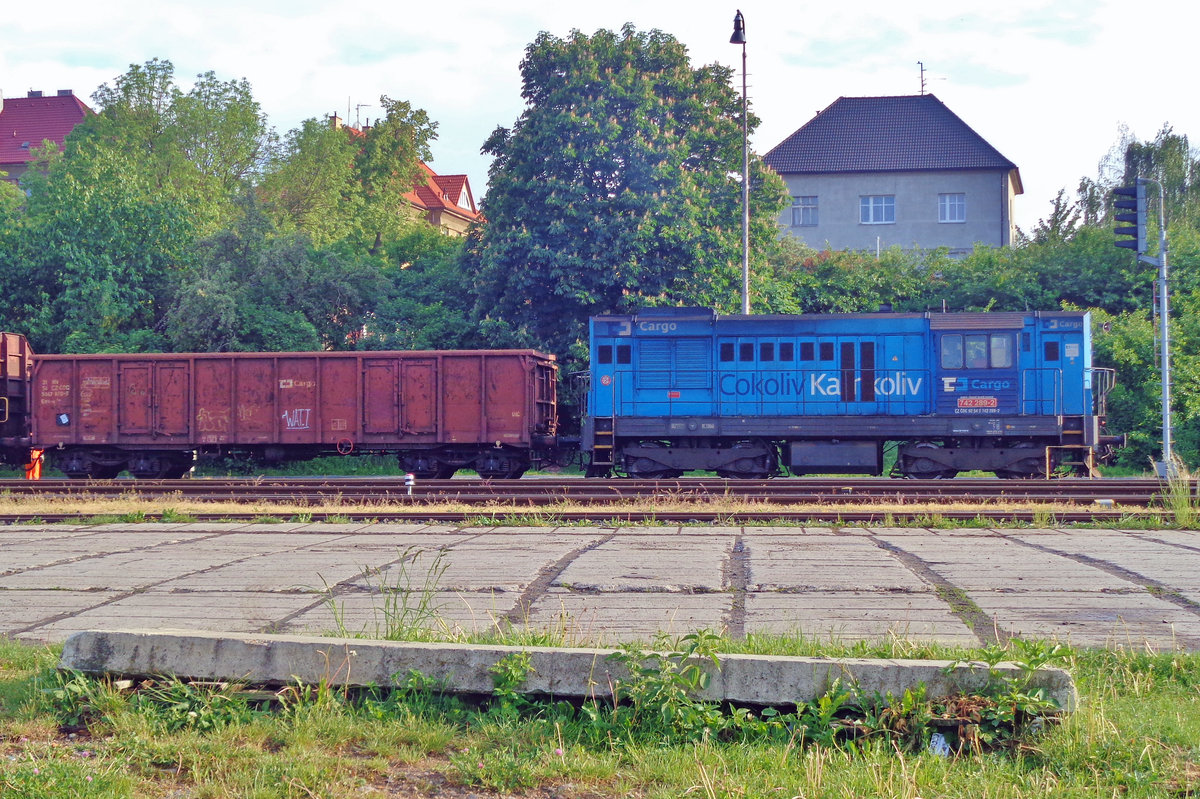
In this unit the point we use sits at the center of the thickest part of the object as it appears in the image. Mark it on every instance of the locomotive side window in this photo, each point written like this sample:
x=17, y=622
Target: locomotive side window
x=952, y=352
x=604, y=353
x=1002, y=352
x=787, y=351
x=975, y=351
x=726, y=352
x=808, y=351
x=624, y=353
x=978, y=351
x=746, y=352
x=1051, y=350
x=766, y=352
x=826, y=350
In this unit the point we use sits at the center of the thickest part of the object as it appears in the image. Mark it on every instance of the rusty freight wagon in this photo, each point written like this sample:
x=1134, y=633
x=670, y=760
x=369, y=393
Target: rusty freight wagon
x=436, y=411
x=16, y=365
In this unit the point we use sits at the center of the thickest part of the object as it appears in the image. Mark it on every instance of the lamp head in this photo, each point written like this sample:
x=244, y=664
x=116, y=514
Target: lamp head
x=739, y=29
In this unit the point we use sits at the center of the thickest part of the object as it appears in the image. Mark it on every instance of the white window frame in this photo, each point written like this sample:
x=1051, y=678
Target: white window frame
x=952, y=208
x=805, y=211
x=877, y=209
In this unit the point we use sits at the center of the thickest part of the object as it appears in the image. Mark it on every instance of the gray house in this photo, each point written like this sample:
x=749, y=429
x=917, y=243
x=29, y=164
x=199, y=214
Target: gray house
x=873, y=172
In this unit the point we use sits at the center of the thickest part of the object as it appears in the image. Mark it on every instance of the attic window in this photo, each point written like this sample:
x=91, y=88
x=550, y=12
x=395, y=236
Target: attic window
x=464, y=199
x=24, y=145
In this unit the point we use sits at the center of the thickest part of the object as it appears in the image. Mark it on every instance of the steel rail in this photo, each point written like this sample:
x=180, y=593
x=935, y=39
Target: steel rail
x=1133, y=492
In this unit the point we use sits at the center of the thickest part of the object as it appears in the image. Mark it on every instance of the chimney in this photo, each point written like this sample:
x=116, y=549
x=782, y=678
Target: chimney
x=336, y=121
x=32, y=93
x=66, y=93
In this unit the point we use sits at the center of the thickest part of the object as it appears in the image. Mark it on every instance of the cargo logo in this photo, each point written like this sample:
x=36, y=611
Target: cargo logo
x=818, y=384
x=297, y=419
x=657, y=327
x=297, y=383
x=952, y=385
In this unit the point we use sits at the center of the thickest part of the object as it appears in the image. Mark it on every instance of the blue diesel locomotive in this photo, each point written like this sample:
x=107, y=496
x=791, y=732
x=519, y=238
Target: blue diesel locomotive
x=673, y=390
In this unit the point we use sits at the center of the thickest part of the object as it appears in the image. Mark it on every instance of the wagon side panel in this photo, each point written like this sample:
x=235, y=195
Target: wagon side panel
x=510, y=398
x=464, y=413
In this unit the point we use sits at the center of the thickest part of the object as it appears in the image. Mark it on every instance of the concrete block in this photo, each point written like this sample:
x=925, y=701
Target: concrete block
x=578, y=672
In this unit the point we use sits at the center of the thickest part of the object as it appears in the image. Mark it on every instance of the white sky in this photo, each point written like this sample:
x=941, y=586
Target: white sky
x=1049, y=84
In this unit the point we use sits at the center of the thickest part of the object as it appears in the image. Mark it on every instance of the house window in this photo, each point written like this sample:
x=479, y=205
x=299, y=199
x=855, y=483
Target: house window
x=804, y=211
x=877, y=209
x=952, y=208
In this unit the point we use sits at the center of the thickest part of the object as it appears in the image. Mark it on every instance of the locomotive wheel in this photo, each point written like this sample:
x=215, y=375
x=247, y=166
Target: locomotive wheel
x=918, y=468
x=757, y=466
x=1024, y=469
x=643, y=468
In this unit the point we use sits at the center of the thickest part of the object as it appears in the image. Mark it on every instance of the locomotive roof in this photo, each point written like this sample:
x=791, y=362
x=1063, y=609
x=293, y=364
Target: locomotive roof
x=937, y=319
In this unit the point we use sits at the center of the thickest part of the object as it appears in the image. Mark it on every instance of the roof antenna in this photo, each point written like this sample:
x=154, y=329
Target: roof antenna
x=921, y=64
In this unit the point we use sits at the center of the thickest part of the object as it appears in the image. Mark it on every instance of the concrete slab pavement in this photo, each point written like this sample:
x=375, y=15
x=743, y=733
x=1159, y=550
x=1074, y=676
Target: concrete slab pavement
x=601, y=584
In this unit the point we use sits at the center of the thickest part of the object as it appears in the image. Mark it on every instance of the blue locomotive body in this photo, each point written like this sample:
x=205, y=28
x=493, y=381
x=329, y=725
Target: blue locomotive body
x=679, y=389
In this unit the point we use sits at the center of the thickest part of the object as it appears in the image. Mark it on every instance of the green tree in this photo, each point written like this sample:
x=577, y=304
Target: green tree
x=388, y=167
x=341, y=185
x=197, y=146
x=251, y=289
x=97, y=248
x=310, y=185
x=616, y=188
x=428, y=300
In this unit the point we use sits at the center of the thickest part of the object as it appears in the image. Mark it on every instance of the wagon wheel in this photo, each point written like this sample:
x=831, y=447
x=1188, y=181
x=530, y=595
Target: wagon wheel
x=420, y=466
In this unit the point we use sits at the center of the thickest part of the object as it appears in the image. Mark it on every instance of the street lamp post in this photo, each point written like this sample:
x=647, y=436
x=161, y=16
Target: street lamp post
x=739, y=37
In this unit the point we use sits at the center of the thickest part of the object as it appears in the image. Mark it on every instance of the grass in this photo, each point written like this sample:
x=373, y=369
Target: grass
x=1137, y=734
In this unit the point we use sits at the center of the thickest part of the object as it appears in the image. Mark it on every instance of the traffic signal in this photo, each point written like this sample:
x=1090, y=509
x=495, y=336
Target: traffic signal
x=1132, y=201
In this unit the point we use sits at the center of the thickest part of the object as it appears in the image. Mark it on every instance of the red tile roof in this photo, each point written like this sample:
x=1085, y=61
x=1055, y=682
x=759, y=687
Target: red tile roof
x=442, y=193
x=25, y=122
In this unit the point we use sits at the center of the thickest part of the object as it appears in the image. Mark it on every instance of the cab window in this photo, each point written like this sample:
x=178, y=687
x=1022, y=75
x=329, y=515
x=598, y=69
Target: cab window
x=978, y=351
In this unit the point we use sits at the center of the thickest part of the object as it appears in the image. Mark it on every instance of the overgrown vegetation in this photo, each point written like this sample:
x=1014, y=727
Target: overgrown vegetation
x=1137, y=734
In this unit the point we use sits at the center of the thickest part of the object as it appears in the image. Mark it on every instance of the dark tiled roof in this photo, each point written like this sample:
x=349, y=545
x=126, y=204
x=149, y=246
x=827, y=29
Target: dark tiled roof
x=26, y=121
x=884, y=134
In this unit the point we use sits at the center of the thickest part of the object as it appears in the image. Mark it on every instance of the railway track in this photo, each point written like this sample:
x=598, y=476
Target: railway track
x=546, y=492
